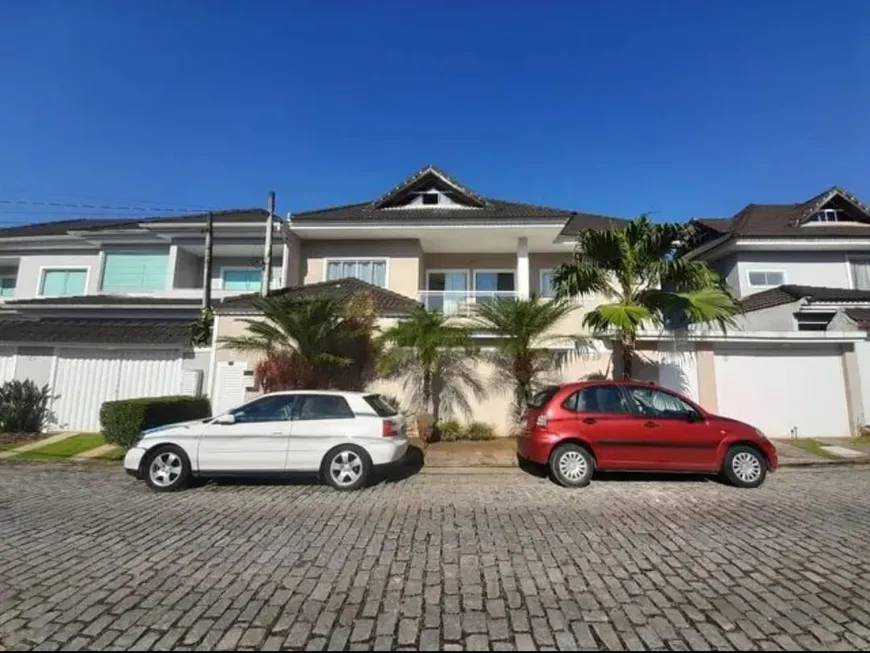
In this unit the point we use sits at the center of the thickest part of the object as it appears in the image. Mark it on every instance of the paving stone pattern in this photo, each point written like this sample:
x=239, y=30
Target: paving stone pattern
x=93, y=560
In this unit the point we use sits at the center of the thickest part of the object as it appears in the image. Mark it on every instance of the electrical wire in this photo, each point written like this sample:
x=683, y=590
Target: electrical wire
x=106, y=207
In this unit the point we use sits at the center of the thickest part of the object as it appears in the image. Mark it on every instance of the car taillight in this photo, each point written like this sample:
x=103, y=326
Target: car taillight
x=389, y=429
x=541, y=421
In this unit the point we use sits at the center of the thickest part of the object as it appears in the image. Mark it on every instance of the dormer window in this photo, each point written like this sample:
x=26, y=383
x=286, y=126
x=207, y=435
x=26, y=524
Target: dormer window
x=430, y=199
x=825, y=216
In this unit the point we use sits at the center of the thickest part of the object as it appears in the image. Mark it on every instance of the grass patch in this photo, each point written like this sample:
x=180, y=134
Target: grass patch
x=66, y=448
x=813, y=446
x=13, y=441
x=115, y=454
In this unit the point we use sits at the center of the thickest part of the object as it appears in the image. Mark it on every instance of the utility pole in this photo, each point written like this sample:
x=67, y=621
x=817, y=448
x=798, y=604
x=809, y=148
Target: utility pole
x=206, y=268
x=267, y=257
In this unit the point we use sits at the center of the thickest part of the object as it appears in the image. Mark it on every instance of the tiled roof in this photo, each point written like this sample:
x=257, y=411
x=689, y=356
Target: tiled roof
x=791, y=293
x=861, y=317
x=386, y=302
x=581, y=221
x=106, y=300
x=426, y=176
x=62, y=227
x=472, y=206
x=788, y=220
x=110, y=332
x=491, y=210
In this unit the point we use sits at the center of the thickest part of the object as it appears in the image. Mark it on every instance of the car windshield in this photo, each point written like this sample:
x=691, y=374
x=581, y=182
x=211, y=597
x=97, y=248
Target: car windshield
x=540, y=399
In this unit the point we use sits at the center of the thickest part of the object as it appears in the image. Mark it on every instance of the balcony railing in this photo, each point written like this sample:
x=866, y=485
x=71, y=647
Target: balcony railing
x=461, y=302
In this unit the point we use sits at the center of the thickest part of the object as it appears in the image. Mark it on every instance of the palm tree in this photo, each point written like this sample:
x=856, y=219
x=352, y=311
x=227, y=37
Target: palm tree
x=435, y=359
x=636, y=269
x=523, y=329
x=316, y=343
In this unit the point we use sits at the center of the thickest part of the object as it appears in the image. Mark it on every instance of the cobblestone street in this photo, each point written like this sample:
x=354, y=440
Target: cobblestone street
x=90, y=559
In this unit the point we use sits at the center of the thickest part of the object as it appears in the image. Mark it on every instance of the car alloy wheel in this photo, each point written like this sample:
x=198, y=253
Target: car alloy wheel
x=571, y=465
x=746, y=467
x=166, y=469
x=346, y=468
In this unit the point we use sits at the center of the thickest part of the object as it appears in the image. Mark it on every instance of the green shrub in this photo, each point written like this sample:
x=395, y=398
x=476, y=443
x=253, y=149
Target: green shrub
x=123, y=420
x=449, y=430
x=479, y=431
x=23, y=407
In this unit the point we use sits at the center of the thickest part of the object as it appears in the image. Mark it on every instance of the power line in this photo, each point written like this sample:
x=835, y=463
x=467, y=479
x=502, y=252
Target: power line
x=105, y=207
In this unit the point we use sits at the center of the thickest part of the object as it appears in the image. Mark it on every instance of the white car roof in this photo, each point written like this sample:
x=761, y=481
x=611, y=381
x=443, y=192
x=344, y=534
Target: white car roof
x=343, y=393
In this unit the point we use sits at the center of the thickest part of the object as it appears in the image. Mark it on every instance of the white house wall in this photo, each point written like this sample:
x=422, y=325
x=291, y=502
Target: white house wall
x=862, y=354
x=828, y=269
x=29, y=276
x=7, y=363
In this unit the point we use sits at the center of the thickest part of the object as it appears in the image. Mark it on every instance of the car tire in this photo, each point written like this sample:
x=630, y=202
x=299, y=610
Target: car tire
x=346, y=467
x=744, y=466
x=572, y=465
x=166, y=469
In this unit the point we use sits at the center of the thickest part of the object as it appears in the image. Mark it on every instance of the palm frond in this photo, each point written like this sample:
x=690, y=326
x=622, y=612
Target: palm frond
x=623, y=318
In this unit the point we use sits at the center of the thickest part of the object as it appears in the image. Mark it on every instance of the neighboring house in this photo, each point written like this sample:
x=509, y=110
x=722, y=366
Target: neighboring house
x=432, y=240
x=802, y=273
x=101, y=309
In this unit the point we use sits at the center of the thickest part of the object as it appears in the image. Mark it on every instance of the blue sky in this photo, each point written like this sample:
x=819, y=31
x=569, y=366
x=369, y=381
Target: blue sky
x=682, y=108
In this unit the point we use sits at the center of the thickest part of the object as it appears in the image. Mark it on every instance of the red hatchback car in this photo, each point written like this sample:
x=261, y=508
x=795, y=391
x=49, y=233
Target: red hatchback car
x=628, y=425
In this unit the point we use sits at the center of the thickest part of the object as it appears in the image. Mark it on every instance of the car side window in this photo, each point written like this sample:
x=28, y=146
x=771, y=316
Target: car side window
x=273, y=408
x=597, y=399
x=324, y=407
x=663, y=405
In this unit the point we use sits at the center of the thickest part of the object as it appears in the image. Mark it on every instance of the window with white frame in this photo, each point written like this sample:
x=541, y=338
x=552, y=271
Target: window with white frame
x=545, y=284
x=825, y=215
x=766, y=278
x=63, y=282
x=7, y=285
x=373, y=271
x=860, y=269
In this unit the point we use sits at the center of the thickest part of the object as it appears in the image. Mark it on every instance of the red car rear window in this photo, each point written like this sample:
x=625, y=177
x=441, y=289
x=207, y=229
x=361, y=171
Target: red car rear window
x=540, y=399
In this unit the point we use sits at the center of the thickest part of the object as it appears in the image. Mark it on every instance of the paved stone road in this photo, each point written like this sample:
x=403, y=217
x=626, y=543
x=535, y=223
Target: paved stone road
x=91, y=559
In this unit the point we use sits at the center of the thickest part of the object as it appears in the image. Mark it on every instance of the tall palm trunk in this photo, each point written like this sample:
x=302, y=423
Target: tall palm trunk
x=629, y=345
x=427, y=390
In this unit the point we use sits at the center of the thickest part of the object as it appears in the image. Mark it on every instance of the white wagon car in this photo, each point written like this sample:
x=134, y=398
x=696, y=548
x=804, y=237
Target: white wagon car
x=341, y=435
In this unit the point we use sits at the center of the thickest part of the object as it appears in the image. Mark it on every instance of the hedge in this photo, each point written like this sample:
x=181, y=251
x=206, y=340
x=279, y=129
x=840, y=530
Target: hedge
x=123, y=420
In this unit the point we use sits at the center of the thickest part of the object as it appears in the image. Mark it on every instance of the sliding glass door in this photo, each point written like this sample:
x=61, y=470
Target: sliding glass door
x=448, y=289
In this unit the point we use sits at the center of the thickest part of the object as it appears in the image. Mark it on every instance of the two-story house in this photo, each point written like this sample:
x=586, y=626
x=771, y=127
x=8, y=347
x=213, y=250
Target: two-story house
x=802, y=274
x=101, y=309
x=431, y=240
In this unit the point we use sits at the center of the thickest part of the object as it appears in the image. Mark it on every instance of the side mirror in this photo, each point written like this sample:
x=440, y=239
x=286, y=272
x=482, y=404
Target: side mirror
x=227, y=418
x=694, y=417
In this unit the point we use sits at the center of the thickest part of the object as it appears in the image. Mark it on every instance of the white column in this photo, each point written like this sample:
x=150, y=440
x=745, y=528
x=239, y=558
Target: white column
x=523, y=268
x=171, y=265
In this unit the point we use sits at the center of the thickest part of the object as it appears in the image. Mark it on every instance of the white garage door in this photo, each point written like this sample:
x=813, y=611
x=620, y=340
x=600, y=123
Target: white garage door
x=86, y=378
x=784, y=391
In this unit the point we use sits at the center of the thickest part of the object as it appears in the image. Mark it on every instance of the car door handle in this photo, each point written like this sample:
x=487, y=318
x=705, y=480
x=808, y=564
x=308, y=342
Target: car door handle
x=589, y=420
x=651, y=425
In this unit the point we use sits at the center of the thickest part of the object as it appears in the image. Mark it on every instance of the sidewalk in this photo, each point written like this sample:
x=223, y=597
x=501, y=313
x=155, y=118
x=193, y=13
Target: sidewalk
x=501, y=452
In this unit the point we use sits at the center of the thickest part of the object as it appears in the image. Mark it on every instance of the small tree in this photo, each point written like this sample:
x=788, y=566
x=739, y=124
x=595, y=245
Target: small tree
x=647, y=284
x=318, y=343
x=435, y=359
x=523, y=329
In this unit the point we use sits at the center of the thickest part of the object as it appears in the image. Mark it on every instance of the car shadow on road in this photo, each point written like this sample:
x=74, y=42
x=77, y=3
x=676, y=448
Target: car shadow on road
x=410, y=465
x=541, y=471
